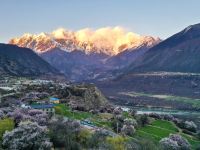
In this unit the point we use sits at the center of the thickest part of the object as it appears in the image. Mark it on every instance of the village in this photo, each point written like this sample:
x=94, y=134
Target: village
x=42, y=100
x=48, y=102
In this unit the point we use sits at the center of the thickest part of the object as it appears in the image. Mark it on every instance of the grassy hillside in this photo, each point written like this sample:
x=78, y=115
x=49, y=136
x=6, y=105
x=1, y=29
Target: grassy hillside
x=160, y=129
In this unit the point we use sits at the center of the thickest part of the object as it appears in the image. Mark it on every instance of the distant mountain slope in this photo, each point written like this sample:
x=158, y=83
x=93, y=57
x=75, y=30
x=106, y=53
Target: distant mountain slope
x=75, y=65
x=179, y=53
x=22, y=62
x=128, y=56
x=169, y=68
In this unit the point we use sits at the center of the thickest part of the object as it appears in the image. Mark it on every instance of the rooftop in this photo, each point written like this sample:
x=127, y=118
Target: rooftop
x=42, y=106
x=54, y=99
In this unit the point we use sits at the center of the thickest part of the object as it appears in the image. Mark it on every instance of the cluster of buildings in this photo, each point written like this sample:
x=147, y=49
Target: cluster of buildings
x=46, y=107
x=35, y=100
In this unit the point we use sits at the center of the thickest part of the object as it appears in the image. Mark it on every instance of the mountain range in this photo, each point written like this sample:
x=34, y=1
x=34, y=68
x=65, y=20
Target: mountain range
x=178, y=53
x=87, y=54
x=109, y=52
x=169, y=68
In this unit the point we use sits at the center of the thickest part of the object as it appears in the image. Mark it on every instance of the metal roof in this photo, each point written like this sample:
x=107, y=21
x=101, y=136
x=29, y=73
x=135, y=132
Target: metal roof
x=42, y=106
x=54, y=99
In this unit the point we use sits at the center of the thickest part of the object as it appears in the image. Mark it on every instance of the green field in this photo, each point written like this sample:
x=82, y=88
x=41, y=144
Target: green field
x=97, y=120
x=194, y=102
x=6, y=125
x=165, y=124
x=155, y=131
x=64, y=110
x=160, y=129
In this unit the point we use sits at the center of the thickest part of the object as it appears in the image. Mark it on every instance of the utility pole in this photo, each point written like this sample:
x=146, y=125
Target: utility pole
x=117, y=127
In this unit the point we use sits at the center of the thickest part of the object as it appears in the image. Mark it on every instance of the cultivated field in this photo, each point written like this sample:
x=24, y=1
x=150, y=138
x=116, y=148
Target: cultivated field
x=160, y=129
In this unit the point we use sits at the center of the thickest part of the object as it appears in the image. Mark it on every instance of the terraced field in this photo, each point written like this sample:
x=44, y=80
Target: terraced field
x=160, y=129
x=157, y=130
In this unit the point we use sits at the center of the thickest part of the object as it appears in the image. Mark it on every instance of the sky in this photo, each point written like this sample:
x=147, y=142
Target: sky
x=159, y=18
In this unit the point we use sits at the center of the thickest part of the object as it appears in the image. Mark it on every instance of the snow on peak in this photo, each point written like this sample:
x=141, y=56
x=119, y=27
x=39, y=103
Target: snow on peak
x=107, y=40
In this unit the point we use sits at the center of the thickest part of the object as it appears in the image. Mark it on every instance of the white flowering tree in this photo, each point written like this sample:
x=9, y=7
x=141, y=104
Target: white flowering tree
x=129, y=126
x=29, y=135
x=174, y=142
x=29, y=114
x=128, y=130
x=191, y=126
x=130, y=121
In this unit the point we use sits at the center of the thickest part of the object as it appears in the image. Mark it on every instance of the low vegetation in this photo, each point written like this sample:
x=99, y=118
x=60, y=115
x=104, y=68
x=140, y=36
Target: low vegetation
x=160, y=129
x=6, y=124
x=75, y=126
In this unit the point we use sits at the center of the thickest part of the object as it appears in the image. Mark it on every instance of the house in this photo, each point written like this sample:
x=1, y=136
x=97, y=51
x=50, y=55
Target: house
x=48, y=108
x=25, y=106
x=54, y=100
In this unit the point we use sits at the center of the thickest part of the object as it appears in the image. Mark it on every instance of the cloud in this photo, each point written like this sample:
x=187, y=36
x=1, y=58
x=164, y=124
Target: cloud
x=102, y=38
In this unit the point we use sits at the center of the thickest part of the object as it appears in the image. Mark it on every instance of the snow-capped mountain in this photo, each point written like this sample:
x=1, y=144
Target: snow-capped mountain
x=109, y=41
x=87, y=54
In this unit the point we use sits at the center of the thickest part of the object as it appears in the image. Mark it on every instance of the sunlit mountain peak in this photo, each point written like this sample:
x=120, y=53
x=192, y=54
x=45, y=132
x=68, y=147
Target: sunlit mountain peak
x=107, y=40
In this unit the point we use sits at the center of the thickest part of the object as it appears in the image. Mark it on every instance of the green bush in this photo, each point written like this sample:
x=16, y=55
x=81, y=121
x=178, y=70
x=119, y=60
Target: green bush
x=6, y=124
x=117, y=143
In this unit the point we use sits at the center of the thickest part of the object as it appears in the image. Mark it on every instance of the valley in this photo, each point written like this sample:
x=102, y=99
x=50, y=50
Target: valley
x=86, y=106
x=99, y=75
x=159, y=89
x=194, y=102
x=113, y=92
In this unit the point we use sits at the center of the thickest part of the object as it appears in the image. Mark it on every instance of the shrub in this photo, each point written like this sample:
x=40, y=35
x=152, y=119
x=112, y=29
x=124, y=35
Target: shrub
x=174, y=142
x=168, y=117
x=143, y=120
x=128, y=130
x=58, y=110
x=188, y=132
x=180, y=123
x=182, y=142
x=198, y=134
x=6, y=124
x=97, y=139
x=83, y=137
x=130, y=122
x=116, y=143
x=146, y=144
x=132, y=145
x=190, y=125
x=64, y=134
x=155, y=115
x=168, y=144
x=117, y=111
x=133, y=112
